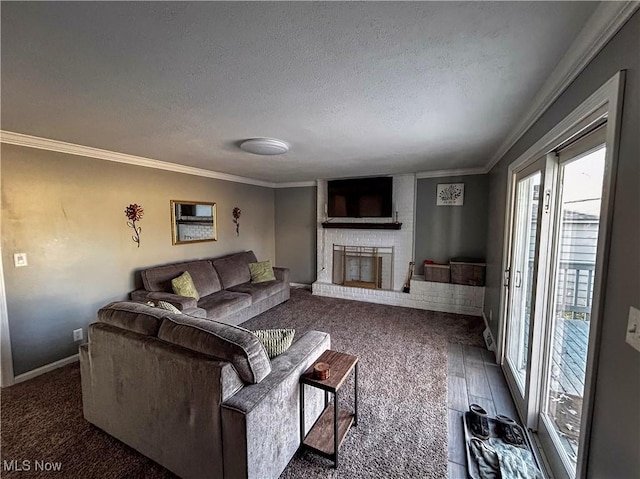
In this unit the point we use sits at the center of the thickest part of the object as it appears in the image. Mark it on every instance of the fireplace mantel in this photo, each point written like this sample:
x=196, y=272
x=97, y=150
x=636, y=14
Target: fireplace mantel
x=363, y=226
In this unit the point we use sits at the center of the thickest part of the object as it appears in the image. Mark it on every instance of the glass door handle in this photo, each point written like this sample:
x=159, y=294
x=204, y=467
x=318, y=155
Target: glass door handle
x=547, y=201
x=518, y=279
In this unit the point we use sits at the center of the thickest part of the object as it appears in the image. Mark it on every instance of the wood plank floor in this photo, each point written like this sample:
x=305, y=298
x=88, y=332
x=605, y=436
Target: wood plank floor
x=473, y=377
x=570, y=344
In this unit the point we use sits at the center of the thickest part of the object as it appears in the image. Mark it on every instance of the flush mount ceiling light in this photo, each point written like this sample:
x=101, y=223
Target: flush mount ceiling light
x=264, y=146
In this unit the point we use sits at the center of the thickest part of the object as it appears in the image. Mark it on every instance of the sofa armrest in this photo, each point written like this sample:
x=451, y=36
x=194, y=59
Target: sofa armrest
x=294, y=361
x=180, y=302
x=283, y=274
x=158, y=398
x=261, y=422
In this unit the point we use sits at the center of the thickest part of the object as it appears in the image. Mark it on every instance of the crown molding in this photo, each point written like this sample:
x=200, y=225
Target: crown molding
x=295, y=184
x=29, y=141
x=459, y=172
x=605, y=22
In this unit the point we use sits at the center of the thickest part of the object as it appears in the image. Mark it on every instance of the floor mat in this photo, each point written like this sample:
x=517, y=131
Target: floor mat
x=515, y=461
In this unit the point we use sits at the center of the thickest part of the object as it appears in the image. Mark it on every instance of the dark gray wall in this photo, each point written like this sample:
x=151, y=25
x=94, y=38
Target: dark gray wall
x=67, y=213
x=296, y=232
x=443, y=232
x=615, y=438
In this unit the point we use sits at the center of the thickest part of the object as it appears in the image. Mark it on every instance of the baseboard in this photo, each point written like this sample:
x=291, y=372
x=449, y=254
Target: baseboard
x=45, y=369
x=300, y=286
x=486, y=322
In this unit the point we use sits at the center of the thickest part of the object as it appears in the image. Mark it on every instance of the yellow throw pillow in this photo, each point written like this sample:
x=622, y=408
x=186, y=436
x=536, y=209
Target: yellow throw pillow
x=183, y=286
x=261, y=272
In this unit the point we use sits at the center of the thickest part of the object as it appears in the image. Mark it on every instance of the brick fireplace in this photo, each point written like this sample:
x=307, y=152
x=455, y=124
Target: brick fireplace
x=356, y=280
x=397, y=241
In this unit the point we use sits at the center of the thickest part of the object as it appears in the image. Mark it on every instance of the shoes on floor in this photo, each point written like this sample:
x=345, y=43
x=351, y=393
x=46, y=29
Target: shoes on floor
x=509, y=431
x=478, y=422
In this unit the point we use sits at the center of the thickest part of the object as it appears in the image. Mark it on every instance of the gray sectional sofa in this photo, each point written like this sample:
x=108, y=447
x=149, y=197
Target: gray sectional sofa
x=224, y=285
x=197, y=396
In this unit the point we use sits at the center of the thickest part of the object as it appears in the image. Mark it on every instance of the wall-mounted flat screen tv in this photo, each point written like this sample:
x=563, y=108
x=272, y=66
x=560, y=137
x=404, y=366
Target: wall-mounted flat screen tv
x=360, y=198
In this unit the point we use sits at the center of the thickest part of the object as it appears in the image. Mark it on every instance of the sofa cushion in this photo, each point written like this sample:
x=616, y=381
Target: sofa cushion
x=136, y=317
x=234, y=269
x=223, y=303
x=223, y=341
x=260, y=291
x=204, y=277
x=183, y=286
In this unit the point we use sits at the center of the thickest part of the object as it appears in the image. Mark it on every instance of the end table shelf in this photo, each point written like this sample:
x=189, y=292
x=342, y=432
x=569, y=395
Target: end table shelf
x=327, y=434
x=320, y=437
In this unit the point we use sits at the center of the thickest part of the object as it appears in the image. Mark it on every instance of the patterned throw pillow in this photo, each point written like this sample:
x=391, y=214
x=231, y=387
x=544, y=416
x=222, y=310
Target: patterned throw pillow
x=183, y=286
x=164, y=305
x=168, y=307
x=261, y=272
x=275, y=341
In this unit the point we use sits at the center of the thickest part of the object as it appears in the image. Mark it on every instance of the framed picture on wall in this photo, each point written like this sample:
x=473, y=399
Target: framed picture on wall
x=193, y=222
x=450, y=194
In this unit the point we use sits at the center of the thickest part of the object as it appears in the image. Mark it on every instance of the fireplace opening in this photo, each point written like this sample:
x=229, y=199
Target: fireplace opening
x=368, y=267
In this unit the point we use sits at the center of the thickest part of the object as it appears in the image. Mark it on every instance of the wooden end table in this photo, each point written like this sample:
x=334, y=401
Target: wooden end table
x=320, y=438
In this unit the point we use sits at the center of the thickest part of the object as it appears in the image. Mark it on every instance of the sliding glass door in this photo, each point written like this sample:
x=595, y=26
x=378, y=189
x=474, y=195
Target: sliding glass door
x=520, y=278
x=557, y=229
x=550, y=282
x=576, y=231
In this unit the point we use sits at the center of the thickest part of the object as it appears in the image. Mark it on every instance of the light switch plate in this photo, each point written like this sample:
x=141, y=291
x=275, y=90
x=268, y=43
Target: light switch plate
x=77, y=334
x=633, y=328
x=20, y=259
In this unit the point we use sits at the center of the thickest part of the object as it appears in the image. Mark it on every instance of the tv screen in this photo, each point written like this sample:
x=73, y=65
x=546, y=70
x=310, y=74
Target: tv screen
x=360, y=198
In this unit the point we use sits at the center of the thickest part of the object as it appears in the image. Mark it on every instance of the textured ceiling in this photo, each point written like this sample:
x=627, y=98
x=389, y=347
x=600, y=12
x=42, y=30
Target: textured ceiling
x=355, y=88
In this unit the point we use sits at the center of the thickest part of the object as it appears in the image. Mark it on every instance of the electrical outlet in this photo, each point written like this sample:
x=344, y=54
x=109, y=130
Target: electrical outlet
x=633, y=328
x=77, y=334
x=491, y=315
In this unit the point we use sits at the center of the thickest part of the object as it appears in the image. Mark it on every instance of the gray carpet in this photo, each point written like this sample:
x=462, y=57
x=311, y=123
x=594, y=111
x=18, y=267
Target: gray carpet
x=402, y=429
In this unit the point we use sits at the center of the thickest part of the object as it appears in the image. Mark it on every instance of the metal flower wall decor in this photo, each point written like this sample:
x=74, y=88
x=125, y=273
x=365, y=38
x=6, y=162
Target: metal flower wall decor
x=134, y=213
x=236, y=219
